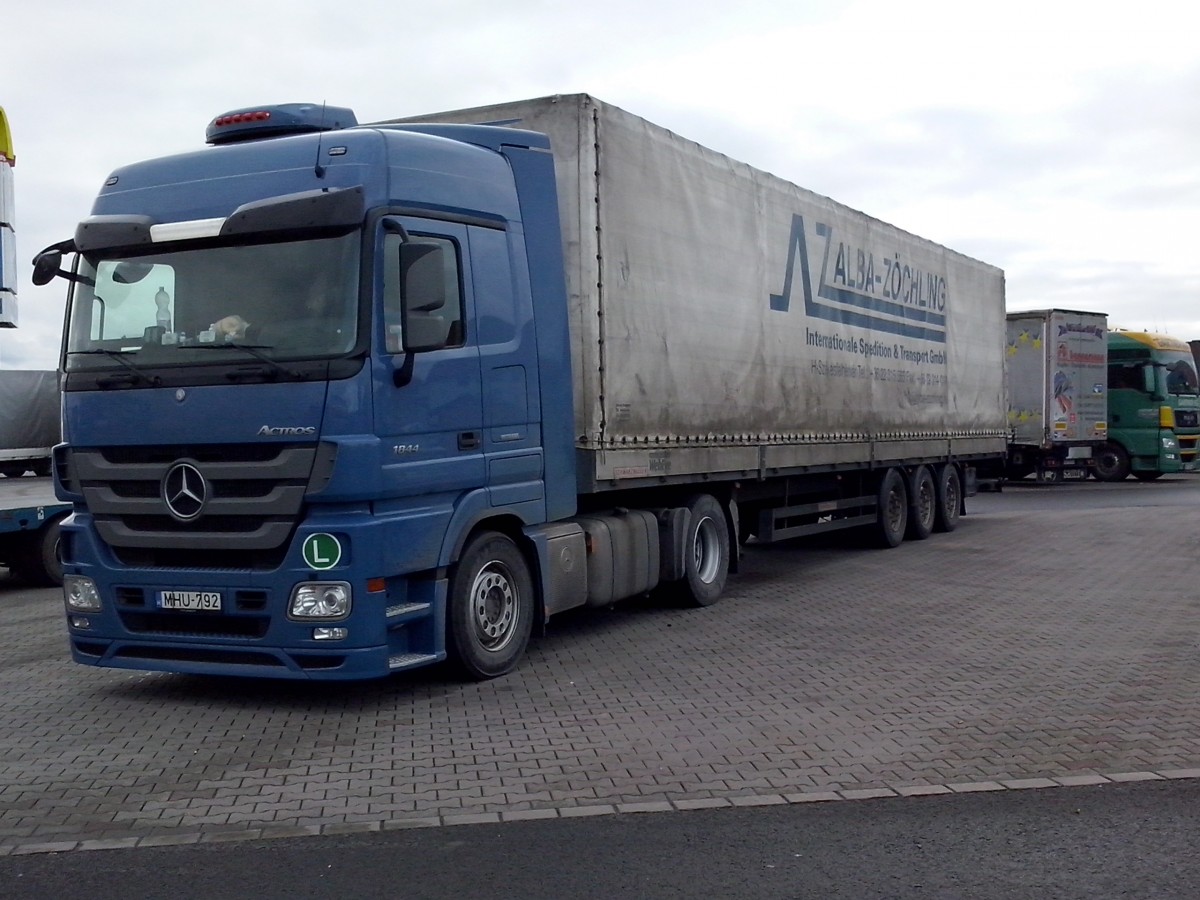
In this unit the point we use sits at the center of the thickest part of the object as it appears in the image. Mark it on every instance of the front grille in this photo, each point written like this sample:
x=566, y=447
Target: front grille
x=1187, y=418
x=253, y=497
x=224, y=559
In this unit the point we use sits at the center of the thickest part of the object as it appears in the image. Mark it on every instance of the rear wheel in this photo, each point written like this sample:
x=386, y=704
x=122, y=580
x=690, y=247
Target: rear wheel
x=923, y=510
x=1112, y=463
x=949, y=498
x=491, y=607
x=706, y=552
x=892, y=517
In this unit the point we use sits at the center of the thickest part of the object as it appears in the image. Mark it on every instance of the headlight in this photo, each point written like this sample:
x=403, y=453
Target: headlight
x=1169, y=443
x=81, y=594
x=320, y=600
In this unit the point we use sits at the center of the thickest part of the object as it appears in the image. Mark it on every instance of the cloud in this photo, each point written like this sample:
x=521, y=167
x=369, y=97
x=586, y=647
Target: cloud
x=1055, y=140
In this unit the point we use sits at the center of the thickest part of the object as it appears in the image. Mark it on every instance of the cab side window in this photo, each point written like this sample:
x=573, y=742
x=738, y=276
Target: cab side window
x=438, y=322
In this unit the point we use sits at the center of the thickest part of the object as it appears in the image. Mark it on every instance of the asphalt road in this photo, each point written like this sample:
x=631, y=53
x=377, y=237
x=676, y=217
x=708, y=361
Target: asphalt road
x=1129, y=841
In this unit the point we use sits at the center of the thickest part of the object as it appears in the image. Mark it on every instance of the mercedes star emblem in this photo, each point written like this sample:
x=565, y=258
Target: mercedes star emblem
x=185, y=491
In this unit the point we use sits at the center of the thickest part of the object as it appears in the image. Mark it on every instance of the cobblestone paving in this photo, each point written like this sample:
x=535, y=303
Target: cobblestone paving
x=1039, y=644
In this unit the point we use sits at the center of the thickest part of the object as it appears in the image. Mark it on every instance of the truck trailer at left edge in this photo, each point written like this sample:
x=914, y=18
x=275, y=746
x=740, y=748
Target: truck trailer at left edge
x=30, y=515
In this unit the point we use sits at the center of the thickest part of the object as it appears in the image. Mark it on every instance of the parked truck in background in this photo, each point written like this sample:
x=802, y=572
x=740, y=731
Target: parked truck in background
x=565, y=357
x=1056, y=378
x=8, y=241
x=30, y=514
x=29, y=421
x=1153, y=407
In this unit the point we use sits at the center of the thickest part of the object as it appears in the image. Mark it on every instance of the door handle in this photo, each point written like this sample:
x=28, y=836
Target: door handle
x=468, y=440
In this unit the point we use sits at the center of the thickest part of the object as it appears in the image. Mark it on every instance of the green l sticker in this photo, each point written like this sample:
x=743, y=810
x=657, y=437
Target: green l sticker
x=322, y=551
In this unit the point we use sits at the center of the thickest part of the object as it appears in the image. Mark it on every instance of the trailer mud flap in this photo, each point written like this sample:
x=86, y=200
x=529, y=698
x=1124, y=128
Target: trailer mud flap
x=969, y=482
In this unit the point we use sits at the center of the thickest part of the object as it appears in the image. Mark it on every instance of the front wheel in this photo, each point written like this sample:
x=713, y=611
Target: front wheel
x=40, y=562
x=491, y=607
x=1112, y=463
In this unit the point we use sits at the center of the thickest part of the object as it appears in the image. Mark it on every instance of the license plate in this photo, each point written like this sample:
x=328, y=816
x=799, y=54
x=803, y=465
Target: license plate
x=1075, y=474
x=199, y=601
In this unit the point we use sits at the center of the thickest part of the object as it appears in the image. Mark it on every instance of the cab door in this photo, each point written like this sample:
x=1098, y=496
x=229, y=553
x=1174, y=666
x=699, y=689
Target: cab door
x=428, y=404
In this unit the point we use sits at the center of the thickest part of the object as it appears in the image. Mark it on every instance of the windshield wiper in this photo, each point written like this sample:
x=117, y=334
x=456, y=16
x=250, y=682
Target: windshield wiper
x=137, y=376
x=254, y=350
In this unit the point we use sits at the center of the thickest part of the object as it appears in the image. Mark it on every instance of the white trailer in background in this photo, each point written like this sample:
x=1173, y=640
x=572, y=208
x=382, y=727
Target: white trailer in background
x=1057, y=384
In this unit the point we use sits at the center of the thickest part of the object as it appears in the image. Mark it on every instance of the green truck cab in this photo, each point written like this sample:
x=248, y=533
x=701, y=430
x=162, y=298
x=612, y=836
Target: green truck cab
x=1153, y=407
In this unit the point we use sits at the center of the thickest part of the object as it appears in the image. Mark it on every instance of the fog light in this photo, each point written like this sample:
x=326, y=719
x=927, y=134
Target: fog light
x=81, y=622
x=320, y=600
x=81, y=594
x=330, y=634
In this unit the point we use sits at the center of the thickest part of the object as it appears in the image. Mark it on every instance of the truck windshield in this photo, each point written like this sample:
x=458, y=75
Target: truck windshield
x=284, y=300
x=1181, y=376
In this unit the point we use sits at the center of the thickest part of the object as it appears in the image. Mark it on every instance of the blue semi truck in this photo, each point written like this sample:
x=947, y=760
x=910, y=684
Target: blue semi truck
x=342, y=400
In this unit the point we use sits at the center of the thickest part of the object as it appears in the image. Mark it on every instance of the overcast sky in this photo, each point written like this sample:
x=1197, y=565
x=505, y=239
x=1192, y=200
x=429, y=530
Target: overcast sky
x=1059, y=141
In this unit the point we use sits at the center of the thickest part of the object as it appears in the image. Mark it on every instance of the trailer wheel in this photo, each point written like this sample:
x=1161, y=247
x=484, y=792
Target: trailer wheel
x=1112, y=463
x=39, y=561
x=922, y=512
x=892, y=517
x=949, y=498
x=491, y=607
x=706, y=552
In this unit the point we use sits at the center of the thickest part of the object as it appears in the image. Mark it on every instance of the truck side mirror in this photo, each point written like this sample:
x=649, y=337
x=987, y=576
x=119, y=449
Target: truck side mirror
x=422, y=295
x=46, y=265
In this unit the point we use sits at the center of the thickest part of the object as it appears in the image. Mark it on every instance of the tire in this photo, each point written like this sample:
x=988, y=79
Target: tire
x=491, y=607
x=40, y=562
x=706, y=552
x=892, y=511
x=922, y=510
x=1049, y=476
x=1112, y=463
x=949, y=498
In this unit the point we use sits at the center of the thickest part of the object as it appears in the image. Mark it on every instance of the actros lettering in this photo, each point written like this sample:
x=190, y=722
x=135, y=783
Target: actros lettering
x=286, y=431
